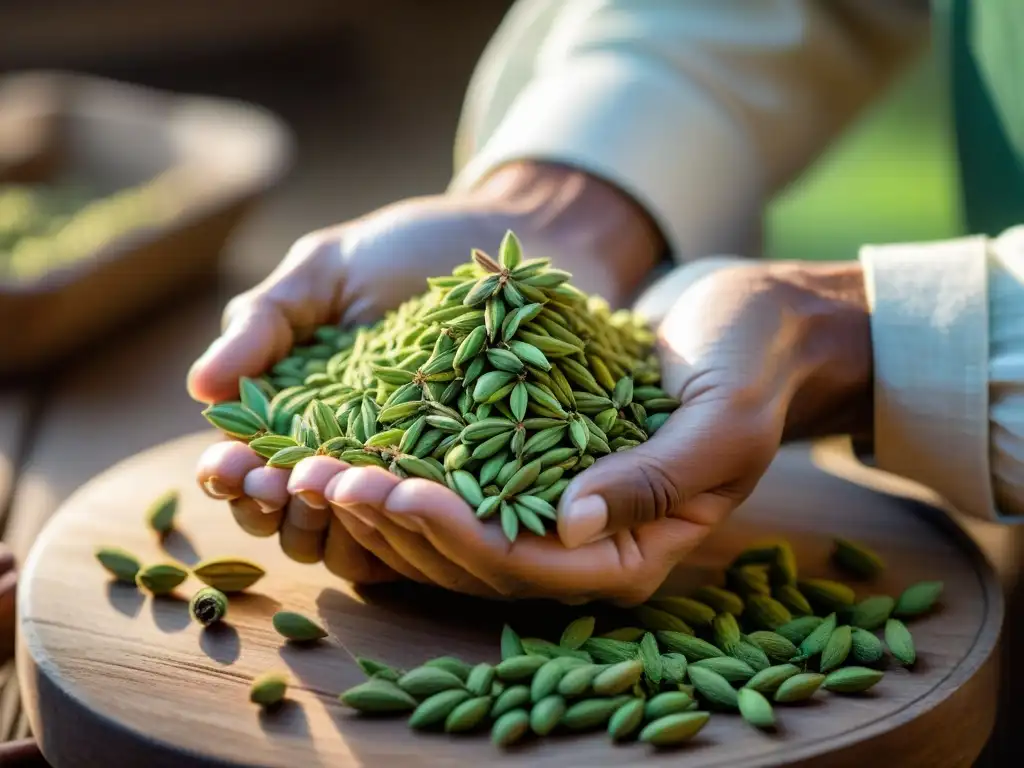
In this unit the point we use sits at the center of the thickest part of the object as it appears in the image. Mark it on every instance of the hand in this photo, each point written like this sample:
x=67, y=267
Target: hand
x=754, y=353
x=351, y=274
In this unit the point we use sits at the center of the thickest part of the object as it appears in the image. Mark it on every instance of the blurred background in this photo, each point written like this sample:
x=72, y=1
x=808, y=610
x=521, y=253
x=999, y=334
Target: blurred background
x=362, y=101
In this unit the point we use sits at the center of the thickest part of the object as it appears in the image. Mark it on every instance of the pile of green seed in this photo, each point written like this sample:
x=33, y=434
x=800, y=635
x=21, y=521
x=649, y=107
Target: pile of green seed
x=502, y=381
x=46, y=226
x=765, y=637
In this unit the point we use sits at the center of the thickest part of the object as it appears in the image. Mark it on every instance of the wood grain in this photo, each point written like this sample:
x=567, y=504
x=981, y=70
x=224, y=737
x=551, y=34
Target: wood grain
x=114, y=678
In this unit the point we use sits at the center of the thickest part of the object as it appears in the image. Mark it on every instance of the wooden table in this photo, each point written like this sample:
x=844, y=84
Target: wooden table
x=110, y=675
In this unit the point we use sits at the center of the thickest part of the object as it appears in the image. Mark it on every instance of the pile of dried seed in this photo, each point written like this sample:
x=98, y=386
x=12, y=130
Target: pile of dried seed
x=502, y=381
x=769, y=637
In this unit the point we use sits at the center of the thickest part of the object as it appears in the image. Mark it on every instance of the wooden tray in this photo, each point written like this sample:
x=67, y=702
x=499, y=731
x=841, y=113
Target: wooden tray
x=223, y=155
x=115, y=678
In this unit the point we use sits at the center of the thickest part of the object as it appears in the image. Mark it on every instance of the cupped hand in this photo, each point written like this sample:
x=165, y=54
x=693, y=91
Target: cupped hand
x=750, y=352
x=351, y=274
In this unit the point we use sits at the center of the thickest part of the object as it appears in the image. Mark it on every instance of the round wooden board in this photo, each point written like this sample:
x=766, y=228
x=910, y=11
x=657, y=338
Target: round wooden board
x=116, y=678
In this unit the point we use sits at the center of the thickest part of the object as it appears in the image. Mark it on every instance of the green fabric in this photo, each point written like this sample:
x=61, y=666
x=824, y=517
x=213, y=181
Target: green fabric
x=987, y=80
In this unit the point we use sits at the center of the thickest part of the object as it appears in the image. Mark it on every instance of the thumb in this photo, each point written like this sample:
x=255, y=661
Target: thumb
x=650, y=482
x=262, y=324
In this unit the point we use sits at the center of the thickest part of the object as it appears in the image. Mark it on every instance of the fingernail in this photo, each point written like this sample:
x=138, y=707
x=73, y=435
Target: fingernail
x=312, y=499
x=217, y=489
x=266, y=507
x=583, y=521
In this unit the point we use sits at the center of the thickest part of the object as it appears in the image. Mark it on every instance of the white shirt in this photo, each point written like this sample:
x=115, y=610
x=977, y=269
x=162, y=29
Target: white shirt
x=702, y=110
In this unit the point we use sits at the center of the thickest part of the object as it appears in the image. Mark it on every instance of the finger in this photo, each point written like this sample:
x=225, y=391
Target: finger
x=306, y=518
x=253, y=520
x=308, y=508
x=415, y=549
x=354, y=518
x=268, y=487
x=349, y=560
x=310, y=477
x=352, y=497
x=222, y=468
x=649, y=482
x=301, y=546
x=262, y=324
x=531, y=567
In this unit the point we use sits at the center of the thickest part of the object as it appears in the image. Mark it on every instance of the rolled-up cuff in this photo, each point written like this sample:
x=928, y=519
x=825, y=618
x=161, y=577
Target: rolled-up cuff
x=638, y=126
x=929, y=328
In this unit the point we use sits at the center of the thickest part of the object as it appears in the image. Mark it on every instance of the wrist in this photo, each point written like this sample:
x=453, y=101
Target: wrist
x=834, y=392
x=585, y=224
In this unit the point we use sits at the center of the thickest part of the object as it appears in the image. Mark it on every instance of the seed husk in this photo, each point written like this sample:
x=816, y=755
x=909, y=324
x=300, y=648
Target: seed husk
x=426, y=681
x=827, y=595
x=865, y=648
x=732, y=669
x=655, y=619
x=673, y=667
x=900, y=642
x=768, y=680
x=578, y=632
x=228, y=574
x=577, y=681
x=627, y=720
x=799, y=687
x=856, y=559
x=851, y=680
x=693, y=612
x=750, y=653
x=547, y=714
x=872, y=612
x=208, y=606
x=817, y=639
x=674, y=729
x=775, y=646
x=456, y=666
x=836, y=649
x=161, y=513
x=721, y=600
x=618, y=677
x=468, y=715
x=268, y=689
x=793, y=599
x=378, y=696
x=918, y=599
x=373, y=668
x=693, y=648
x=766, y=612
x=519, y=667
x=510, y=645
x=161, y=578
x=667, y=703
x=755, y=708
x=607, y=651
x=510, y=728
x=592, y=713
x=726, y=631
x=713, y=686
x=297, y=628
x=435, y=709
x=513, y=697
x=799, y=628
x=480, y=679
x=120, y=563
x=650, y=657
